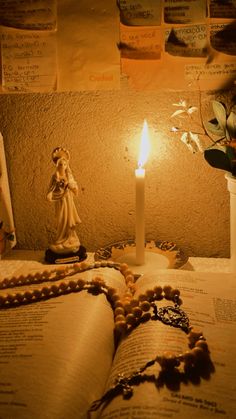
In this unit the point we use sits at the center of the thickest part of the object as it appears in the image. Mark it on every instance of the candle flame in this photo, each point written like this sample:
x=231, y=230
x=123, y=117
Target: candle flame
x=144, y=146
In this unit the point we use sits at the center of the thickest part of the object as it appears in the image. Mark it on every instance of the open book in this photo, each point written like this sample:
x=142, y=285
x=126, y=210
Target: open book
x=58, y=356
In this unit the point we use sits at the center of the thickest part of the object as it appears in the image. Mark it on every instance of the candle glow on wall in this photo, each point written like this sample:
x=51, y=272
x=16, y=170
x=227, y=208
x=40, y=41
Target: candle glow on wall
x=140, y=195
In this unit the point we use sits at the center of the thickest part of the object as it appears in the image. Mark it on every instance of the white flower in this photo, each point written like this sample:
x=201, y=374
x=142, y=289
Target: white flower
x=182, y=103
x=178, y=112
x=185, y=109
x=191, y=109
x=195, y=139
x=192, y=141
x=185, y=139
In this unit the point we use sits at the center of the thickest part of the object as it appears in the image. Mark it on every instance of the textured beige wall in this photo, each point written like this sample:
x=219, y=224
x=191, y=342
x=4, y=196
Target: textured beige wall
x=186, y=200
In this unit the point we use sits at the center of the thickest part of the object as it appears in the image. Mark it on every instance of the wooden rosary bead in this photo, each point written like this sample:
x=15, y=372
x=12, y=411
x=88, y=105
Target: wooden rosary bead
x=127, y=306
x=167, y=291
x=80, y=282
x=103, y=263
x=198, y=353
x=168, y=361
x=150, y=294
x=158, y=290
x=194, y=335
x=175, y=293
x=10, y=298
x=202, y=344
x=188, y=357
x=63, y=286
x=142, y=297
x=55, y=289
x=145, y=317
x=28, y=295
x=72, y=285
x=134, y=302
x=119, y=310
x=118, y=303
x=2, y=300
x=36, y=294
x=19, y=297
x=115, y=297
x=130, y=319
x=46, y=291
x=137, y=311
x=85, y=265
x=110, y=263
x=145, y=305
x=120, y=317
x=97, y=264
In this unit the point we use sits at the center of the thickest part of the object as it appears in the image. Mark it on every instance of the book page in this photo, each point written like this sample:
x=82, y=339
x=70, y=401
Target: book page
x=55, y=355
x=210, y=302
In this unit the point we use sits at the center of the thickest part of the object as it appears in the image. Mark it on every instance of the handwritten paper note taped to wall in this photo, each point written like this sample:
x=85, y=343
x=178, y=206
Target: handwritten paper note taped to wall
x=183, y=12
x=29, y=62
x=61, y=45
x=196, y=38
x=28, y=45
x=24, y=14
x=142, y=44
x=50, y=45
x=143, y=13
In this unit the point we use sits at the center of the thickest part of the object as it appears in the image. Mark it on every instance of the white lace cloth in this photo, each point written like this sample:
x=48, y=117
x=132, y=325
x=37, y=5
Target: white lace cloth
x=35, y=259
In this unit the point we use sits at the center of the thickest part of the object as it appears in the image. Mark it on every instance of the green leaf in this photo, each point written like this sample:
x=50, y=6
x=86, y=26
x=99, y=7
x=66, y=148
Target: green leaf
x=220, y=113
x=230, y=153
x=231, y=125
x=218, y=159
x=214, y=128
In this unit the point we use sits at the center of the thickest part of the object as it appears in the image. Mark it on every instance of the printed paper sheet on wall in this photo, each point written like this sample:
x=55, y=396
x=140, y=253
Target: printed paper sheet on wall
x=64, y=45
x=185, y=44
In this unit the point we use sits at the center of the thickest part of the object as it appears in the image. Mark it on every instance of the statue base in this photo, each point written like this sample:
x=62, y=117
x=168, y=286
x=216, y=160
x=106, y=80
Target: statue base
x=61, y=258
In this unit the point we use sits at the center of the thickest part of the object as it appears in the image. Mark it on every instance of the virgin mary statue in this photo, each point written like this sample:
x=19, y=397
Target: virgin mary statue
x=61, y=191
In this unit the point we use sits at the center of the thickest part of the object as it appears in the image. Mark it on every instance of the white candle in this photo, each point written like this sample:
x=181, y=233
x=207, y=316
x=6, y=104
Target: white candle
x=140, y=197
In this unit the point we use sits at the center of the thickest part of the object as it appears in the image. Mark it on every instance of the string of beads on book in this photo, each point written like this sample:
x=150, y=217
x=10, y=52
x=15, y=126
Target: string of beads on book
x=59, y=281
x=197, y=358
x=129, y=312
